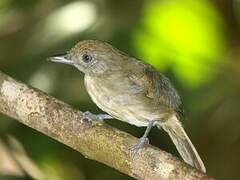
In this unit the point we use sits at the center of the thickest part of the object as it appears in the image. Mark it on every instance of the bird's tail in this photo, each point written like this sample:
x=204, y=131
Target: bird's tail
x=183, y=144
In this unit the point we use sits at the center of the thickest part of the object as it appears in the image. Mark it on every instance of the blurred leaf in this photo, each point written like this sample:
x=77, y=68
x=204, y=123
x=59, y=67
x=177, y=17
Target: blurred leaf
x=186, y=36
x=26, y=164
x=4, y=3
x=55, y=169
x=8, y=165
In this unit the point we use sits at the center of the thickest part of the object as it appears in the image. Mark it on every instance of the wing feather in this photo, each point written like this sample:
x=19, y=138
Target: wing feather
x=156, y=85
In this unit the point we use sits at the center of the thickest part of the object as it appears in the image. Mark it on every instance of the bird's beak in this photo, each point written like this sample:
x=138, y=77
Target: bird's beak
x=61, y=58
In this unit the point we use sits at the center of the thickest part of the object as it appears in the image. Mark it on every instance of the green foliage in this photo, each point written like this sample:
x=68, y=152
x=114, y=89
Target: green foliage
x=186, y=36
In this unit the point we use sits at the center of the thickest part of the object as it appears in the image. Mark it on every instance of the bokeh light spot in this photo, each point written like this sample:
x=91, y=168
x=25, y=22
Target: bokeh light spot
x=184, y=36
x=72, y=18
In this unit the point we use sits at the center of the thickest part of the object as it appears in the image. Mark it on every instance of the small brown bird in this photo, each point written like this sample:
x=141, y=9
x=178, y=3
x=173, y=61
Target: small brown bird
x=131, y=91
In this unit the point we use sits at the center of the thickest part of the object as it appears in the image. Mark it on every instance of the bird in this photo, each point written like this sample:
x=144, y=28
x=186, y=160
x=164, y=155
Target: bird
x=131, y=90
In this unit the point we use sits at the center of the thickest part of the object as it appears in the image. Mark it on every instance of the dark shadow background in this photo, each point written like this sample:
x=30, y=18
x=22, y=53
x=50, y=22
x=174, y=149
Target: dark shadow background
x=196, y=44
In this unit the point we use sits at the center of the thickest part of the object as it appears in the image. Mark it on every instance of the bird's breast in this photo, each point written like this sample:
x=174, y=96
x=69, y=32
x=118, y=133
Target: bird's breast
x=117, y=99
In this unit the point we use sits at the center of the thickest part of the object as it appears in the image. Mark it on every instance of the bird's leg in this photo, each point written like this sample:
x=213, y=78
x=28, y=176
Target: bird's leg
x=143, y=140
x=98, y=117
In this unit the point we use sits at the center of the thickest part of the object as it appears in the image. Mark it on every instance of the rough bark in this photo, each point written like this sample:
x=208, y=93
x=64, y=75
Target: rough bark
x=97, y=141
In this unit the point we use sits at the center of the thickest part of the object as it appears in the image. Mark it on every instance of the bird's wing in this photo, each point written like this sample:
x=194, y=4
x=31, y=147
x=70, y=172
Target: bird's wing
x=156, y=85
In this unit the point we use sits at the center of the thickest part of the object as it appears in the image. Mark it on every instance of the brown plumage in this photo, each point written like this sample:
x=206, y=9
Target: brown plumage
x=131, y=91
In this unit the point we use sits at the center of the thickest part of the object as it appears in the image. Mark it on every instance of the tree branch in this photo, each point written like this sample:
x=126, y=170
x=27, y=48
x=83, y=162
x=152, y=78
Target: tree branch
x=94, y=140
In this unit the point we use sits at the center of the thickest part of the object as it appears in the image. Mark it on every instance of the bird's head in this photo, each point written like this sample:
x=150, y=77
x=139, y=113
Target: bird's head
x=92, y=57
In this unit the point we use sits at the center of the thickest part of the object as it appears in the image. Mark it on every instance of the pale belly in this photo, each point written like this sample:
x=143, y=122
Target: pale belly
x=119, y=105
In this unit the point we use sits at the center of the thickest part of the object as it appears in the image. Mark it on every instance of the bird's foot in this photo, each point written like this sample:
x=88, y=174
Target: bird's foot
x=98, y=117
x=142, y=141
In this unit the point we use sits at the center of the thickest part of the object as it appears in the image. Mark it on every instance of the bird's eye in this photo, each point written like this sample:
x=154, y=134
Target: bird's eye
x=86, y=58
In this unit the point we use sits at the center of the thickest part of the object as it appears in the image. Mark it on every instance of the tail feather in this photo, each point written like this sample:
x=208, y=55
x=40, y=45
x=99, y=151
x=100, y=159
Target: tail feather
x=182, y=142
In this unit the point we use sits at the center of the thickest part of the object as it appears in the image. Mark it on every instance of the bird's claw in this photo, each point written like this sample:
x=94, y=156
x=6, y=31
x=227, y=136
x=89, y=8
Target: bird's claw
x=98, y=117
x=142, y=141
